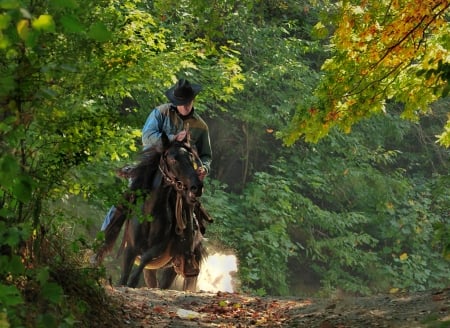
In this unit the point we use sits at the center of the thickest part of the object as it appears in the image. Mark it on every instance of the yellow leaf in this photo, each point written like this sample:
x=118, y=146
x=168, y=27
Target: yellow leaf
x=44, y=23
x=136, y=133
x=319, y=25
x=115, y=157
x=393, y=290
x=404, y=257
x=23, y=29
x=76, y=189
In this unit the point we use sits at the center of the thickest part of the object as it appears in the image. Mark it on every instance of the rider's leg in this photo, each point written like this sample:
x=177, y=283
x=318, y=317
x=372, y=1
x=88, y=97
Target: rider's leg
x=108, y=218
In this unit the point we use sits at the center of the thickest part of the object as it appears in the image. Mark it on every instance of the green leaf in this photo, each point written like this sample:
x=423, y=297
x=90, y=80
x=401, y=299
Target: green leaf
x=47, y=320
x=65, y=3
x=4, y=21
x=71, y=24
x=7, y=82
x=22, y=189
x=13, y=237
x=4, y=42
x=6, y=213
x=99, y=32
x=10, y=296
x=52, y=292
x=8, y=166
x=42, y=275
x=9, y=4
x=15, y=265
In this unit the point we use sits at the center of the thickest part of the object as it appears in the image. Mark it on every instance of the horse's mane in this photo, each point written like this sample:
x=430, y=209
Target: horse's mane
x=143, y=174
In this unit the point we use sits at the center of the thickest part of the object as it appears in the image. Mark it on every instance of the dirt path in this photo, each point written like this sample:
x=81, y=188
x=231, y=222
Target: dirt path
x=145, y=307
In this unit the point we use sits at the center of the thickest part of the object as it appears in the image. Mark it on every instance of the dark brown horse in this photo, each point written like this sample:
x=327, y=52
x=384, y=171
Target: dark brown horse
x=161, y=229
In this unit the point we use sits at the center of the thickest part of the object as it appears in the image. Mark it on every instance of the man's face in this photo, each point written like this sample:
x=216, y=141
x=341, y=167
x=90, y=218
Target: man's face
x=185, y=109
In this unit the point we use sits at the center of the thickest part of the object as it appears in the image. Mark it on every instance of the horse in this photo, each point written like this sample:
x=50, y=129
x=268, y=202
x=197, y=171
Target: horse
x=162, y=230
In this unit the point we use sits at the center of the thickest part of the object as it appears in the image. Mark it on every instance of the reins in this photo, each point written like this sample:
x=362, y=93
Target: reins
x=169, y=177
x=179, y=186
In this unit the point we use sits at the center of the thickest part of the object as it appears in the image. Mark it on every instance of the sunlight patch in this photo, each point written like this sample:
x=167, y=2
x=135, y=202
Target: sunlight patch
x=217, y=273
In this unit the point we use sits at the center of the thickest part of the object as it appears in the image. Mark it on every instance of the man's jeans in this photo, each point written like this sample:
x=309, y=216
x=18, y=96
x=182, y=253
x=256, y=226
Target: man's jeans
x=108, y=217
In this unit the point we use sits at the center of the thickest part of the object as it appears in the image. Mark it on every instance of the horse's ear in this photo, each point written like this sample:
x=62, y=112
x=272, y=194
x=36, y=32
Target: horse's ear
x=165, y=140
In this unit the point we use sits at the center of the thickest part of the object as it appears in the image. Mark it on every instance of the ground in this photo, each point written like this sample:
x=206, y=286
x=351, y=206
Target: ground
x=144, y=307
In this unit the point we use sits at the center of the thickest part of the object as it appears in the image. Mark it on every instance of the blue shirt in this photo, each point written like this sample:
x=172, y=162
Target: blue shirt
x=167, y=118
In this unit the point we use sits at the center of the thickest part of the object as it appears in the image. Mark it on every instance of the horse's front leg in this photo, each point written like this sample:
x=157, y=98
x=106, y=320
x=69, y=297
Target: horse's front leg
x=190, y=284
x=167, y=278
x=150, y=278
x=127, y=265
x=146, y=257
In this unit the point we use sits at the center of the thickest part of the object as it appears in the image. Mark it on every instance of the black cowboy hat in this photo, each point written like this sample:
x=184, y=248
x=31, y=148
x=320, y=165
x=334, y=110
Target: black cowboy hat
x=182, y=92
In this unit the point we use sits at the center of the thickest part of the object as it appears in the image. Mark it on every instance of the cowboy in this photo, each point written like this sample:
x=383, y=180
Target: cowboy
x=175, y=118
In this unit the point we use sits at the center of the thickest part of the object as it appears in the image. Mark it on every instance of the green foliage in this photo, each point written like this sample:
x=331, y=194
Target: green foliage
x=374, y=213
x=349, y=212
x=417, y=246
x=259, y=232
x=56, y=289
x=264, y=234
x=365, y=212
x=10, y=296
x=66, y=70
x=11, y=263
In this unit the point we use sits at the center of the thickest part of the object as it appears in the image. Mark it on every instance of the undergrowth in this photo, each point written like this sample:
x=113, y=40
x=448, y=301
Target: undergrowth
x=58, y=289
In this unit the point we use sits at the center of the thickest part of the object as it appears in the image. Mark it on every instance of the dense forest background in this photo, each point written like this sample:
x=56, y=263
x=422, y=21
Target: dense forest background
x=328, y=121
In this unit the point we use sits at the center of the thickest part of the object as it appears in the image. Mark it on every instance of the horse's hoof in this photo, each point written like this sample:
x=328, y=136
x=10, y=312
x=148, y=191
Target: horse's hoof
x=191, y=268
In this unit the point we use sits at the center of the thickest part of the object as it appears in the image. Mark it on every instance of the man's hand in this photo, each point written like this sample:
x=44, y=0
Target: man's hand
x=180, y=136
x=201, y=172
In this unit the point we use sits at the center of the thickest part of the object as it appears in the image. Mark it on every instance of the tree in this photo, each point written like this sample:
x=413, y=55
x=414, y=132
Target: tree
x=381, y=52
x=324, y=213
x=66, y=71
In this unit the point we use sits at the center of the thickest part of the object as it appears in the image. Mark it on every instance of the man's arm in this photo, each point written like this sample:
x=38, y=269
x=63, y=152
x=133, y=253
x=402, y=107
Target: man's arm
x=205, y=152
x=153, y=128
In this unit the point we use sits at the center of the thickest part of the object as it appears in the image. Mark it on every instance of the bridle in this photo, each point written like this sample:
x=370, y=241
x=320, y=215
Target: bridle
x=171, y=180
x=169, y=177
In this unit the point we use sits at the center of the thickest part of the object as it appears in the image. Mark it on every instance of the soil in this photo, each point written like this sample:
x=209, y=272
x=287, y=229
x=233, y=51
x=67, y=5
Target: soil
x=144, y=307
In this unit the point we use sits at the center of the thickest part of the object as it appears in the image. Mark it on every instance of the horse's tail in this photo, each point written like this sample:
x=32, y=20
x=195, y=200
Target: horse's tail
x=125, y=239
x=201, y=253
x=111, y=233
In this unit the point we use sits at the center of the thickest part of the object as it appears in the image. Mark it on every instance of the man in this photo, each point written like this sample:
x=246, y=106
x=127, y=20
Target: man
x=174, y=118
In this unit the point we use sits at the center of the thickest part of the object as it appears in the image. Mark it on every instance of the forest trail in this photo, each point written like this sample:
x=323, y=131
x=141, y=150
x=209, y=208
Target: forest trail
x=144, y=307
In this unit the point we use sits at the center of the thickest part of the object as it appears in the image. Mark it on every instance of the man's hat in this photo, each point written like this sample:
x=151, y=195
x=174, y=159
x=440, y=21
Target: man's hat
x=182, y=92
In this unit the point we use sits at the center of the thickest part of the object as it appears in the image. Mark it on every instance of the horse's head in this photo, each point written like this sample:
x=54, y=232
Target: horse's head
x=179, y=164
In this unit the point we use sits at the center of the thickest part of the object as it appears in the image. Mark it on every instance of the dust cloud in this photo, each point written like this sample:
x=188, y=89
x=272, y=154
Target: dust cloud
x=218, y=273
